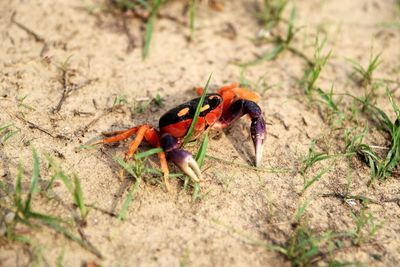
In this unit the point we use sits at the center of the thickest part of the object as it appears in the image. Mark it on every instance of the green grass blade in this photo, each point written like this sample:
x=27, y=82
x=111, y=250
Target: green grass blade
x=197, y=113
x=201, y=154
x=268, y=56
x=5, y=126
x=192, y=16
x=78, y=197
x=89, y=247
x=149, y=27
x=34, y=180
x=43, y=217
x=128, y=200
x=316, y=178
x=18, y=189
x=125, y=166
x=7, y=136
x=148, y=153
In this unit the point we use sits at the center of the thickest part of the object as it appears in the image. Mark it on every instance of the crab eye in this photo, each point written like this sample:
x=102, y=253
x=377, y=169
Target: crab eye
x=214, y=101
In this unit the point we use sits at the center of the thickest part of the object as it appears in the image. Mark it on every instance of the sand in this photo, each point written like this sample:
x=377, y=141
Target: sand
x=239, y=205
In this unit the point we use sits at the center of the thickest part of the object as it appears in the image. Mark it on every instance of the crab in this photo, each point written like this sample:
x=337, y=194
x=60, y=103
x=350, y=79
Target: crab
x=219, y=110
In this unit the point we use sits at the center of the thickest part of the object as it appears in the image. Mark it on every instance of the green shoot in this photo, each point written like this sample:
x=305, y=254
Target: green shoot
x=34, y=181
x=202, y=150
x=307, y=183
x=135, y=169
x=328, y=100
x=271, y=13
x=197, y=113
x=281, y=44
x=311, y=75
x=364, y=75
x=128, y=200
x=150, y=25
x=119, y=101
x=312, y=157
x=192, y=16
x=25, y=215
x=200, y=160
x=78, y=197
x=149, y=152
x=366, y=227
x=158, y=100
x=7, y=131
x=247, y=166
x=381, y=168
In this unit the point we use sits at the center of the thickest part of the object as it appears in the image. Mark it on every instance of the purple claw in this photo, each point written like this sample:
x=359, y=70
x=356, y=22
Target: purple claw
x=257, y=130
x=185, y=161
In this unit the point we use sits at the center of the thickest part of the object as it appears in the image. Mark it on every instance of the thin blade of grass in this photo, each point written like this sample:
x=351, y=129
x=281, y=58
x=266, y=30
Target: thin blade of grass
x=192, y=16
x=149, y=27
x=18, y=188
x=245, y=166
x=128, y=200
x=315, y=178
x=201, y=154
x=148, y=153
x=86, y=147
x=89, y=247
x=7, y=136
x=78, y=197
x=197, y=113
x=5, y=126
x=34, y=180
x=268, y=56
x=126, y=166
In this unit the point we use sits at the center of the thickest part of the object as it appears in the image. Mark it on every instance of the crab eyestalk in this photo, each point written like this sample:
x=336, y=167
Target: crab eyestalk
x=257, y=130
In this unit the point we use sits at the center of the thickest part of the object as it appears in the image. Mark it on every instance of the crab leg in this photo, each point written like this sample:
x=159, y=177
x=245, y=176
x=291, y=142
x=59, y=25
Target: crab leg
x=120, y=135
x=142, y=132
x=182, y=158
x=257, y=128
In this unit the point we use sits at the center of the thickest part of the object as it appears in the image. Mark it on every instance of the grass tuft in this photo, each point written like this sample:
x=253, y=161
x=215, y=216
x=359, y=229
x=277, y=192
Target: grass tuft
x=78, y=197
x=381, y=167
x=24, y=214
x=7, y=131
x=364, y=74
x=312, y=74
x=312, y=157
x=136, y=169
x=271, y=13
x=281, y=44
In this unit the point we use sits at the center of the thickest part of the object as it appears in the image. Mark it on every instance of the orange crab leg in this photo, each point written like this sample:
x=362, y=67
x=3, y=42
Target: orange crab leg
x=138, y=139
x=231, y=92
x=121, y=135
x=165, y=170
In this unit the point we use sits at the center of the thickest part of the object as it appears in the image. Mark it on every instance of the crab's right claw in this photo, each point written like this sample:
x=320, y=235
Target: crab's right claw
x=257, y=130
x=185, y=161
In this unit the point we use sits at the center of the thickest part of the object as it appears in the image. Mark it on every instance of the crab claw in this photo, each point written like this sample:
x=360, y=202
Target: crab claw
x=257, y=130
x=185, y=161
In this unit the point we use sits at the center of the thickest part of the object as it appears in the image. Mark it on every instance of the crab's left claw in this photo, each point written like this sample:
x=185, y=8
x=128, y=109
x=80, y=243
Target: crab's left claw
x=183, y=159
x=257, y=130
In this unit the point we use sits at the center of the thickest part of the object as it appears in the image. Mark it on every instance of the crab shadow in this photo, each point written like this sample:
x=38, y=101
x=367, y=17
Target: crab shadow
x=240, y=141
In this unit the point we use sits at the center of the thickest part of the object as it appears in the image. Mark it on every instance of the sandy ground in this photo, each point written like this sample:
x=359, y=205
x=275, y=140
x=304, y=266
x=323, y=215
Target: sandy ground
x=169, y=229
